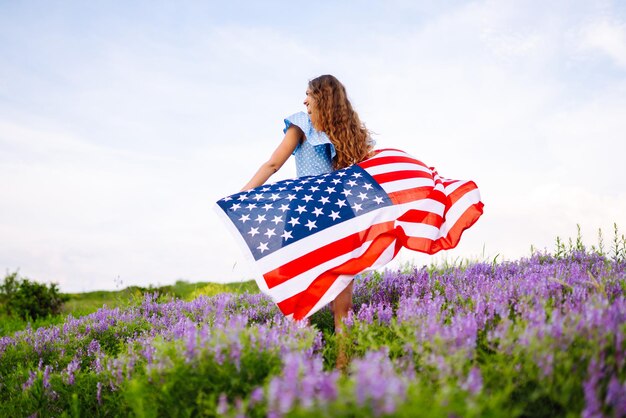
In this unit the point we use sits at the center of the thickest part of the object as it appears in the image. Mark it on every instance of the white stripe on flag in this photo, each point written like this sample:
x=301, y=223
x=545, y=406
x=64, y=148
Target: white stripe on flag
x=419, y=230
x=456, y=211
x=399, y=185
x=452, y=187
x=387, y=168
x=391, y=153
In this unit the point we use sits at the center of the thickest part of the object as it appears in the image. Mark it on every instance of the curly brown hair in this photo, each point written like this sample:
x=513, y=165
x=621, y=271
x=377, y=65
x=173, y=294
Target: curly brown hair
x=340, y=122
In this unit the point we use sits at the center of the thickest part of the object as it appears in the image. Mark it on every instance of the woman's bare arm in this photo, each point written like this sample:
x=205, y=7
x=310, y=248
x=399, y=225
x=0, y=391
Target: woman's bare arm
x=279, y=156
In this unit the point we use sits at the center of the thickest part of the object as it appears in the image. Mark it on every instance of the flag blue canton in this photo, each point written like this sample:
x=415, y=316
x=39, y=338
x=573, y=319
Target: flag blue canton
x=274, y=216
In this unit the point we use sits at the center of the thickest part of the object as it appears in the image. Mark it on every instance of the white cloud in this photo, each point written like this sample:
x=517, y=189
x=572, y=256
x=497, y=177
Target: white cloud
x=606, y=37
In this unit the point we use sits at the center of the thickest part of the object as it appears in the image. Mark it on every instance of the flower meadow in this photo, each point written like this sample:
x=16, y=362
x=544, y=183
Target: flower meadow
x=540, y=336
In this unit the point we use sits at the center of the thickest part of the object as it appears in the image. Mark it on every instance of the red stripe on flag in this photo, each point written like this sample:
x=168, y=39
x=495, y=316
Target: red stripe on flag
x=421, y=244
x=376, y=161
x=323, y=254
x=401, y=175
x=421, y=217
x=418, y=193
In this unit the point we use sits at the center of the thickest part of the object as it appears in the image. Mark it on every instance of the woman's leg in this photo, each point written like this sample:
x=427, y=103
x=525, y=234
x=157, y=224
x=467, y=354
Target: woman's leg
x=340, y=308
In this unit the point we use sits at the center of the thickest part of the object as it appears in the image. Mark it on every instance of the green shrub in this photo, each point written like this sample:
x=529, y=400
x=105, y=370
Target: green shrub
x=28, y=299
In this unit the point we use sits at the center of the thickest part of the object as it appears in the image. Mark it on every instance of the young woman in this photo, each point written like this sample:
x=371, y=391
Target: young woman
x=351, y=209
x=328, y=137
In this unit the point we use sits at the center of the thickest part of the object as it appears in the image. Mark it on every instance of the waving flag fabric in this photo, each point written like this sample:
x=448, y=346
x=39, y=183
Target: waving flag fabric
x=308, y=236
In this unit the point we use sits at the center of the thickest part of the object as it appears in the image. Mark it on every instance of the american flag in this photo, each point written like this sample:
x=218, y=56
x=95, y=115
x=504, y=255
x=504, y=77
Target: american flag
x=309, y=236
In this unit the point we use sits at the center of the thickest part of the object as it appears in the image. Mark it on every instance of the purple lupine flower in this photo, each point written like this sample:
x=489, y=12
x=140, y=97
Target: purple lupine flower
x=130, y=365
x=593, y=405
x=222, y=404
x=99, y=393
x=408, y=308
x=29, y=382
x=384, y=313
x=285, y=394
x=365, y=314
x=316, y=346
x=616, y=396
x=302, y=382
x=239, y=408
x=460, y=334
x=5, y=342
x=619, y=348
x=545, y=361
x=474, y=382
x=53, y=395
x=147, y=349
x=190, y=346
x=218, y=353
x=234, y=352
x=439, y=362
x=348, y=320
x=256, y=396
x=116, y=367
x=203, y=335
x=96, y=364
x=93, y=348
x=46, y=376
x=377, y=384
x=72, y=367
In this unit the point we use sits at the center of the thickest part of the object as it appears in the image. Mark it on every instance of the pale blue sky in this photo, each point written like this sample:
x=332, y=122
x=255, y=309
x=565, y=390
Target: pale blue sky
x=121, y=124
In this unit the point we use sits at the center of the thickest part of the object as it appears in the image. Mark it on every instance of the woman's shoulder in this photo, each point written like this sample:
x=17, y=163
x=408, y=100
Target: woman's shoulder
x=301, y=120
x=312, y=136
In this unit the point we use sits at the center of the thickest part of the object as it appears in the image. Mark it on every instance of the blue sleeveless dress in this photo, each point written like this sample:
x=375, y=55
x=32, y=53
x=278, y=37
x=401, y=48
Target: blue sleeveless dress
x=314, y=156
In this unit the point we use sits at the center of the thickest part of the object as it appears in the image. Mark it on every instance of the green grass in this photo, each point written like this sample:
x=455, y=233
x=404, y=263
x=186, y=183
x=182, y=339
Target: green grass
x=80, y=304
